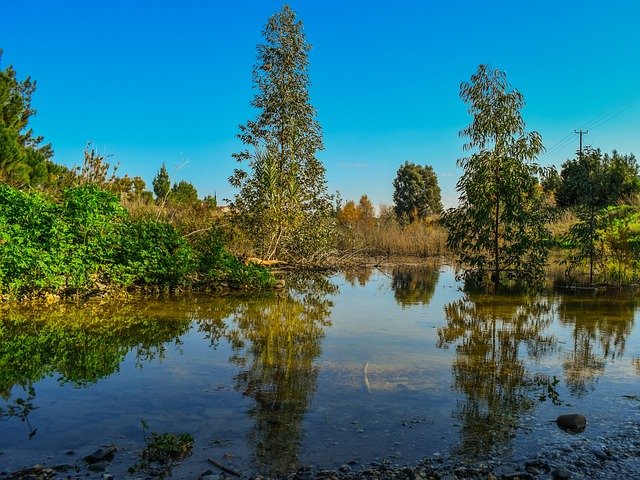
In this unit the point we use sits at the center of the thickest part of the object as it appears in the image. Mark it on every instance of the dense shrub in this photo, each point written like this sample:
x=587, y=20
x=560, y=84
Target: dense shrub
x=87, y=241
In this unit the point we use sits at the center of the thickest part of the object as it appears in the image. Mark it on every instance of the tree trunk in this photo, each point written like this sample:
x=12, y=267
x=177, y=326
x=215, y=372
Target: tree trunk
x=496, y=248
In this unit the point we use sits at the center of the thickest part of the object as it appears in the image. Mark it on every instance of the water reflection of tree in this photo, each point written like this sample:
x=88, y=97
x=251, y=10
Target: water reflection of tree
x=600, y=327
x=276, y=341
x=414, y=286
x=489, y=333
x=358, y=275
x=636, y=363
x=81, y=345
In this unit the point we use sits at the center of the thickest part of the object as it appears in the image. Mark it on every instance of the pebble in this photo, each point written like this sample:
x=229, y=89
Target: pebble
x=561, y=474
x=600, y=454
x=103, y=453
x=409, y=472
x=98, y=466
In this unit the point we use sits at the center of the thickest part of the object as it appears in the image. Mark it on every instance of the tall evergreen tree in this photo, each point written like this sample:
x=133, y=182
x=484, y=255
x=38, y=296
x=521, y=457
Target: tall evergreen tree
x=24, y=160
x=282, y=201
x=161, y=184
x=499, y=224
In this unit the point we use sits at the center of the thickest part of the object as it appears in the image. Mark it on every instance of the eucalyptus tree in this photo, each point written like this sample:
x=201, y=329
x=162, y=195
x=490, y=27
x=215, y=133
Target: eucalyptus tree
x=282, y=203
x=499, y=224
x=416, y=193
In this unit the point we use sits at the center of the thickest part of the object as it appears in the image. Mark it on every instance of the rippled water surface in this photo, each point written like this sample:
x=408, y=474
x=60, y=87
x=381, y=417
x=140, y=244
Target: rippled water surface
x=395, y=365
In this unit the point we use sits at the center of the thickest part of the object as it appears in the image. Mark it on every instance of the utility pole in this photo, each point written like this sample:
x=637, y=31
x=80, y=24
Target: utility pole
x=581, y=133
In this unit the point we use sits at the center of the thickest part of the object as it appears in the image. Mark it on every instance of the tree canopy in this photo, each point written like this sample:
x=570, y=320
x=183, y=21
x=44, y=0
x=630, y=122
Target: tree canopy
x=594, y=179
x=184, y=192
x=416, y=193
x=499, y=224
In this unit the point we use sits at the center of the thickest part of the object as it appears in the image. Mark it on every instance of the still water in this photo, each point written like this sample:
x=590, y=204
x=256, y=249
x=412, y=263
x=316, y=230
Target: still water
x=394, y=364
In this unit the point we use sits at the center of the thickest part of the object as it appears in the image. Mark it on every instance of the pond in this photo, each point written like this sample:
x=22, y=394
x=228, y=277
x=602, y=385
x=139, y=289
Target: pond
x=391, y=364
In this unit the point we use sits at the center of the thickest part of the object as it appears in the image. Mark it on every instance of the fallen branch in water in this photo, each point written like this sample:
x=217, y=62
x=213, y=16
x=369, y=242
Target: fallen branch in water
x=223, y=468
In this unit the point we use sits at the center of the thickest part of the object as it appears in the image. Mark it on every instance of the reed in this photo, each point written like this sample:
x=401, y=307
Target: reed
x=388, y=237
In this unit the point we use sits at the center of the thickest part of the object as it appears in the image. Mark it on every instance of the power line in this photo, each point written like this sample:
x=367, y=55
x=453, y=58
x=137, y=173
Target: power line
x=627, y=101
x=622, y=105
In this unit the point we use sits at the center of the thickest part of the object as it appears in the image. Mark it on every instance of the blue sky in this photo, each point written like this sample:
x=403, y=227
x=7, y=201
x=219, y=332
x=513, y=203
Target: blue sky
x=170, y=81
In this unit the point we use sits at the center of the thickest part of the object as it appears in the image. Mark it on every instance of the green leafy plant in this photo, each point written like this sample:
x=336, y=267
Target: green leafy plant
x=548, y=389
x=498, y=229
x=165, y=448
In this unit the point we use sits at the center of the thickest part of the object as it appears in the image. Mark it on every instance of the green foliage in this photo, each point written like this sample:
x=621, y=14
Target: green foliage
x=165, y=448
x=499, y=225
x=87, y=243
x=184, y=193
x=218, y=265
x=592, y=179
x=416, y=192
x=21, y=408
x=282, y=203
x=600, y=238
x=23, y=158
x=161, y=184
x=607, y=241
x=548, y=388
x=153, y=253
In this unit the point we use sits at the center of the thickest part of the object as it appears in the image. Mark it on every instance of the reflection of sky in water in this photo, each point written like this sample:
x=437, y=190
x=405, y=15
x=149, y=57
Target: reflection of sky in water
x=376, y=384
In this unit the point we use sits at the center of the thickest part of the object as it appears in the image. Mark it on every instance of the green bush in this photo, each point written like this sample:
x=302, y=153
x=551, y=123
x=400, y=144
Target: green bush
x=87, y=241
x=153, y=253
x=216, y=264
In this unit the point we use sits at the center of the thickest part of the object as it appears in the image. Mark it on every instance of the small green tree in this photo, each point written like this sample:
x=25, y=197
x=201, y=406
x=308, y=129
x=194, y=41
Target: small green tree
x=590, y=183
x=416, y=193
x=499, y=224
x=282, y=203
x=161, y=184
x=184, y=193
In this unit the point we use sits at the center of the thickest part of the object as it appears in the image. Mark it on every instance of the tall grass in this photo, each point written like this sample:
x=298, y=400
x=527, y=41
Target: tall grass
x=388, y=237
